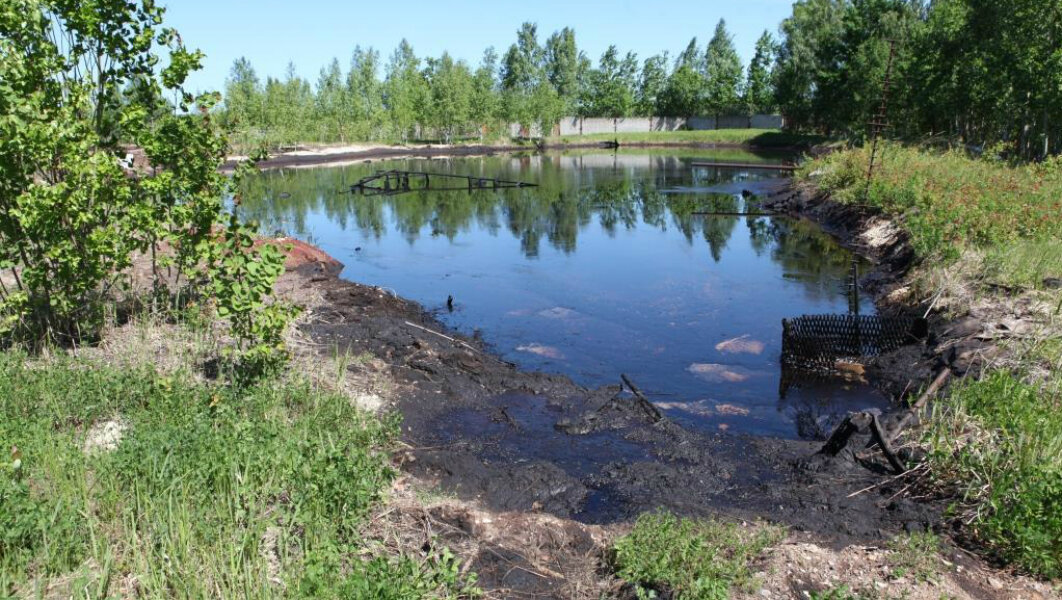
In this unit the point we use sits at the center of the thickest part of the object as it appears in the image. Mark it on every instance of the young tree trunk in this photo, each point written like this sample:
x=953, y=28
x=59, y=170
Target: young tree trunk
x=1047, y=145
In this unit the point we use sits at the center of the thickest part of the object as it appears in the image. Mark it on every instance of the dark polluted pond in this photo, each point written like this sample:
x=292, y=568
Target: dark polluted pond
x=605, y=268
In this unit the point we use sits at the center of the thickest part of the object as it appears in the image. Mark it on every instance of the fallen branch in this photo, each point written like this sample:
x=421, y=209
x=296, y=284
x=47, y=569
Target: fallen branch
x=461, y=343
x=918, y=404
x=887, y=481
x=857, y=422
x=879, y=437
x=644, y=402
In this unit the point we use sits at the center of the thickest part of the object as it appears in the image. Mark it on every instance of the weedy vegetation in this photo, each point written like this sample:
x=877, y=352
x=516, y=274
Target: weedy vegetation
x=689, y=558
x=949, y=202
x=916, y=556
x=119, y=480
x=204, y=491
x=996, y=444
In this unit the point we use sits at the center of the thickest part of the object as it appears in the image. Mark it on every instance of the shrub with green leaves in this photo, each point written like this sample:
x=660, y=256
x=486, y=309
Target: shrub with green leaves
x=78, y=79
x=80, y=82
x=242, y=278
x=692, y=559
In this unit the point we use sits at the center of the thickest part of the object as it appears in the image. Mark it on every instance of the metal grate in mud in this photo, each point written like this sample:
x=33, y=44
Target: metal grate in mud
x=817, y=342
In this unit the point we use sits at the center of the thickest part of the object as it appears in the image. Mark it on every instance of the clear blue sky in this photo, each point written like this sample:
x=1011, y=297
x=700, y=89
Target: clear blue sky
x=310, y=33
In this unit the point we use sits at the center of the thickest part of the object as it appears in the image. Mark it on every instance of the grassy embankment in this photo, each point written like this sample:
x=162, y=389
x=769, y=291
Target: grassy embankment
x=987, y=234
x=123, y=481
x=760, y=138
x=752, y=138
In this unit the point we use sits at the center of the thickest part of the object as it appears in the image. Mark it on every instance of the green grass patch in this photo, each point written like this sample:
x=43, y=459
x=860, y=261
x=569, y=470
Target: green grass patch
x=210, y=492
x=761, y=138
x=1024, y=262
x=691, y=559
x=916, y=555
x=838, y=593
x=948, y=201
x=996, y=444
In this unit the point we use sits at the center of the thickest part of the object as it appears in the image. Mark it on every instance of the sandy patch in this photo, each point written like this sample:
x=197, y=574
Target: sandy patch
x=797, y=568
x=880, y=233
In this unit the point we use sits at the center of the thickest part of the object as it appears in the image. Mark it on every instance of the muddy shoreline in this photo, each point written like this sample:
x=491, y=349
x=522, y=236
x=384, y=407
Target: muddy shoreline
x=283, y=161
x=513, y=442
x=478, y=427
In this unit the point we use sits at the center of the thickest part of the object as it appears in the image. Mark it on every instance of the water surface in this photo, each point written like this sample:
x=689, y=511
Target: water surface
x=605, y=268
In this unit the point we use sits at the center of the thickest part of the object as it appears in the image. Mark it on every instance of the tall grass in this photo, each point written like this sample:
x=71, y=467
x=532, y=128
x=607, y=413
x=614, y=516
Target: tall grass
x=948, y=202
x=996, y=445
x=210, y=492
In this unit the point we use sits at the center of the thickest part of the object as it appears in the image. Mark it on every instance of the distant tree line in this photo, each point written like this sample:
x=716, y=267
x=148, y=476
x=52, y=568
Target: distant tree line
x=973, y=71
x=531, y=84
x=976, y=72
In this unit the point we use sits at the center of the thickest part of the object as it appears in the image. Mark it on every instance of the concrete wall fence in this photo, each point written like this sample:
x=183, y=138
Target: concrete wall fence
x=590, y=126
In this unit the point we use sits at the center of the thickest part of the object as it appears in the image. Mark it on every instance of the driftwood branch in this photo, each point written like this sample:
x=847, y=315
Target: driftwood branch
x=644, y=402
x=463, y=344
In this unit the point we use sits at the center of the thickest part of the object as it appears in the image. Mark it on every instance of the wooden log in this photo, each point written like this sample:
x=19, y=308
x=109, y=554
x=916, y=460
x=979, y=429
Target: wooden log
x=644, y=402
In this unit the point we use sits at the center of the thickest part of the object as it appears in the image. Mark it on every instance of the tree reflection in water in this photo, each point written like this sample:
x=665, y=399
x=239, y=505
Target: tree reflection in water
x=587, y=195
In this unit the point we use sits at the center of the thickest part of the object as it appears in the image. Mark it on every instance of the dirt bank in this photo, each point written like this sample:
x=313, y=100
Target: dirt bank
x=340, y=156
